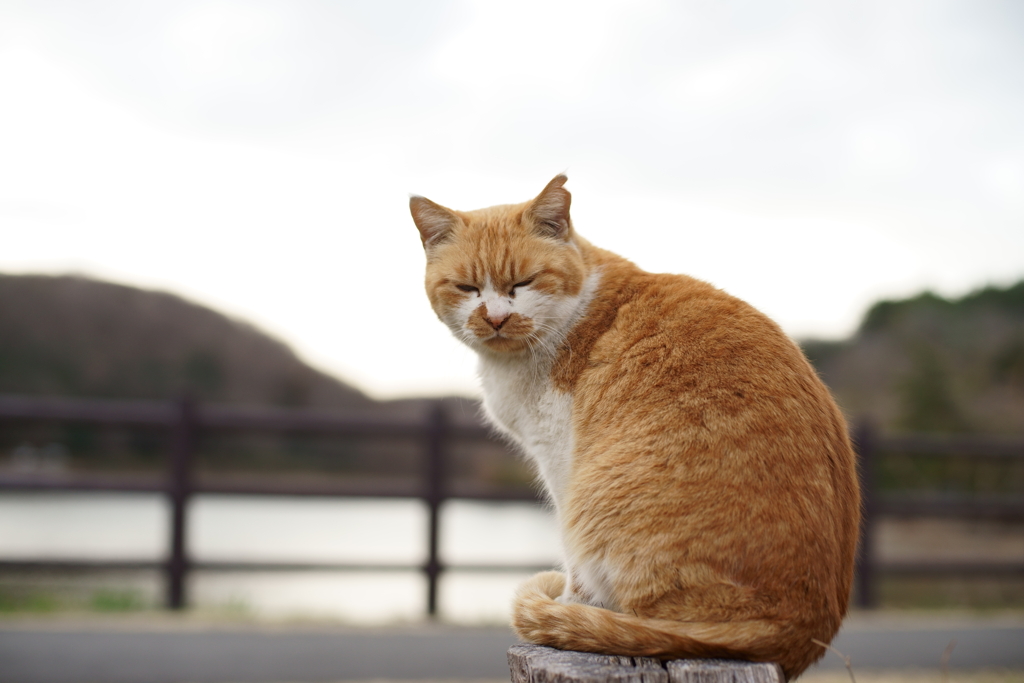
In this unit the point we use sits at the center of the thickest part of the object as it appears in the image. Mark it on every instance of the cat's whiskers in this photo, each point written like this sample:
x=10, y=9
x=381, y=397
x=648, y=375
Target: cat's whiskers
x=540, y=354
x=555, y=336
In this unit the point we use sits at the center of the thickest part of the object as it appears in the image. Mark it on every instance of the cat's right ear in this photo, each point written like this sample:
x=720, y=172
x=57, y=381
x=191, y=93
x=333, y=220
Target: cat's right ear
x=434, y=221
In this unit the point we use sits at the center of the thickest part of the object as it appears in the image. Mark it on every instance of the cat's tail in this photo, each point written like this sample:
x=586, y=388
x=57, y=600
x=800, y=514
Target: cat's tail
x=538, y=618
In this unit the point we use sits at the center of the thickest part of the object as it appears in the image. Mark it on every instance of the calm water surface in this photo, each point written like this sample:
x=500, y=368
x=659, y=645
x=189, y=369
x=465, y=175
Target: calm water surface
x=263, y=528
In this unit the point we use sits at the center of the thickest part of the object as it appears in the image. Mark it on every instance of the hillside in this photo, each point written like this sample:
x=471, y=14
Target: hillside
x=74, y=336
x=932, y=364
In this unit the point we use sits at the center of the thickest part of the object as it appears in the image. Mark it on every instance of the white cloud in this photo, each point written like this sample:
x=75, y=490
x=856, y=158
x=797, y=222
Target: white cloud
x=231, y=44
x=530, y=48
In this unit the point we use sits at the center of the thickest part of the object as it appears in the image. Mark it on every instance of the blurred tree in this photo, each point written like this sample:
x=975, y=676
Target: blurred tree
x=927, y=363
x=927, y=400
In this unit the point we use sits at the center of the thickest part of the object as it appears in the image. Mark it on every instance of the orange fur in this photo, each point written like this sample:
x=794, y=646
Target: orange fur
x=700, y=470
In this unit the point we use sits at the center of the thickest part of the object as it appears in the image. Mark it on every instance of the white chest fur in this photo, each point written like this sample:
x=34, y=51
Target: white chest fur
x=521, y=402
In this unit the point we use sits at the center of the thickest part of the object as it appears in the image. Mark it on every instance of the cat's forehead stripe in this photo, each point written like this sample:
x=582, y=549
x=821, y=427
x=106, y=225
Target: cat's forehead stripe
x=498, y=250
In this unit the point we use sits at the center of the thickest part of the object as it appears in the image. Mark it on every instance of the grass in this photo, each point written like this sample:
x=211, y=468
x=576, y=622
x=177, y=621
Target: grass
x=34, y=599
x=108, y=600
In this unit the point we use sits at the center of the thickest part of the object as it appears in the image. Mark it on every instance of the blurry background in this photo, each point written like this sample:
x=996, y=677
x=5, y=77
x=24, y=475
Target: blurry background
x=211, y=197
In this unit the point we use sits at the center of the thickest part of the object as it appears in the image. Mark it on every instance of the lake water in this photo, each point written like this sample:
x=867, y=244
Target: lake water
x=232, y=528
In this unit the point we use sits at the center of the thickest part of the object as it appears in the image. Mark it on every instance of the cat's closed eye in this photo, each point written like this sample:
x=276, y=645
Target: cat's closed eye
x=468, y=288
x=524, y=283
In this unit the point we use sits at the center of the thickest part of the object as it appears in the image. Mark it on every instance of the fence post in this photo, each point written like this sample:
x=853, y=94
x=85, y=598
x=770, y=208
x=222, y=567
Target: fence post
x=179, y=490
x=866, y=443
x=434, y=495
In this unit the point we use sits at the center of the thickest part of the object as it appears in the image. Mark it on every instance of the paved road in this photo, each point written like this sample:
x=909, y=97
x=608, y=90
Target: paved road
x=167, y=651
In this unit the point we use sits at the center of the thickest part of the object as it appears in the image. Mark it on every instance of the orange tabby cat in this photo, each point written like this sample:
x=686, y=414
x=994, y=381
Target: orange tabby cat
x=700, y=471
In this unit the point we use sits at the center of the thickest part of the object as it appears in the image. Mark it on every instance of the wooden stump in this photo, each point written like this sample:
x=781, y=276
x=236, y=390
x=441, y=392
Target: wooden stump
x=539, y=664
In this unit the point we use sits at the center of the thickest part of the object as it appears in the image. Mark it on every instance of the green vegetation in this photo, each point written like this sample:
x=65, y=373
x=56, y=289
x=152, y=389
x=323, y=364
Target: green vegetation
x=33, y=601
x=110, y=600
x=926, y=396
x=26, y=597
x=930, y=364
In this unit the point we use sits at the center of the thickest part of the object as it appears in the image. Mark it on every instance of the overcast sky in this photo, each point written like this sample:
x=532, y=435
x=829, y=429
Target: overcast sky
x=257, y=156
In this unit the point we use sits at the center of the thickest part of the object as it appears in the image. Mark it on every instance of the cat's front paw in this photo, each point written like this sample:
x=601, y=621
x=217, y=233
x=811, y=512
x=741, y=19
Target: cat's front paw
x=574, y=597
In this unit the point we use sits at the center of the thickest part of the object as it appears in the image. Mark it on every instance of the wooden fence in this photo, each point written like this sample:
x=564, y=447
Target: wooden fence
x=877, y=503
x=435, y=433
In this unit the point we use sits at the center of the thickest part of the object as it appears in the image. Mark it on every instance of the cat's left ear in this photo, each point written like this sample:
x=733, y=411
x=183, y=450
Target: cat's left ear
x=434, y=221
x=550, y=210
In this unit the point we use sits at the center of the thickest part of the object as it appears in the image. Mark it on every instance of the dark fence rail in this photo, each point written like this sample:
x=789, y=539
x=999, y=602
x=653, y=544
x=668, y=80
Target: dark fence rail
x=436, y=433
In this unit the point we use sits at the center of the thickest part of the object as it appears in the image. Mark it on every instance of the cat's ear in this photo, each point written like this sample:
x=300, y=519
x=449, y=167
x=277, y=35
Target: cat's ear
x=550, y=210
x=434, y=221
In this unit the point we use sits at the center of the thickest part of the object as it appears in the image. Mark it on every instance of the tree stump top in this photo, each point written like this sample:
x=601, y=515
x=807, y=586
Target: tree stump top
x=539, y=664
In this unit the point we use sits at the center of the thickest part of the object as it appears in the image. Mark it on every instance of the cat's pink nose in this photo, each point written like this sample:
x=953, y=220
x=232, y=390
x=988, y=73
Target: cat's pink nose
x=497, y=321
